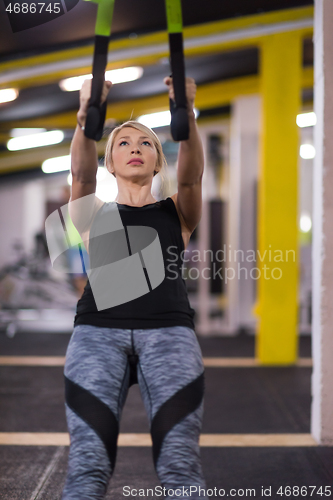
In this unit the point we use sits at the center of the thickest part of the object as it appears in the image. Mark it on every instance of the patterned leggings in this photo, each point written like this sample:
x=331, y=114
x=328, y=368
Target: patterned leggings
x=101, y=364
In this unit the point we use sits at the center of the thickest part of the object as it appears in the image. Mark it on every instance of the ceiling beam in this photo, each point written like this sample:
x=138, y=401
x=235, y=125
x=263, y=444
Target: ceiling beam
x=209, y=96
x=33, y=158
x=231, y=34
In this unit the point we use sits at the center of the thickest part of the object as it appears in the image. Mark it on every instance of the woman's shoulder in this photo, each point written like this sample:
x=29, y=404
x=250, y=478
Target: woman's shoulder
x=83, y=211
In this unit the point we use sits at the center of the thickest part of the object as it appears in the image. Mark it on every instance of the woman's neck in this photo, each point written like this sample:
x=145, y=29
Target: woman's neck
x=135, y=201
x=134, y=194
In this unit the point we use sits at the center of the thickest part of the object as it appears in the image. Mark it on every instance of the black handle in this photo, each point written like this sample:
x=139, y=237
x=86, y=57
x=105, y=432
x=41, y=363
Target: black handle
x=96, y=111
x=179, y=118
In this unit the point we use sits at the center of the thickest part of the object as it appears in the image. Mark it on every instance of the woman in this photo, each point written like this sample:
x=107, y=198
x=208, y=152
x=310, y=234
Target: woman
x=149, y=339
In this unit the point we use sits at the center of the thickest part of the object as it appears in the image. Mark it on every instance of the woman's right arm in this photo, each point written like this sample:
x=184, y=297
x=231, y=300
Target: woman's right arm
x=84, y=160
x=84, y=163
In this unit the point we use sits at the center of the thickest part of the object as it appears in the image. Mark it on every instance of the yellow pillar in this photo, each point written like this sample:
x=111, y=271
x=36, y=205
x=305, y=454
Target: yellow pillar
x=277, y=256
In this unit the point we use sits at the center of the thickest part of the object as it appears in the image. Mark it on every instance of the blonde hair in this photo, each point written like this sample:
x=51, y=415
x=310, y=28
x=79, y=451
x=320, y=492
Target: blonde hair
x=161, y=163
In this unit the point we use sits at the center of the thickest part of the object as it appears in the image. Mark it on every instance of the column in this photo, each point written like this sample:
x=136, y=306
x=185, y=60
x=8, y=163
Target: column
x=244, y=157
x=322, y=243
x=281, y=59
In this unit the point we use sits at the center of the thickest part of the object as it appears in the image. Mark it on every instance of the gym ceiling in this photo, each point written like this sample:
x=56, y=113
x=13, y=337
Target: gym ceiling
x=34, y=60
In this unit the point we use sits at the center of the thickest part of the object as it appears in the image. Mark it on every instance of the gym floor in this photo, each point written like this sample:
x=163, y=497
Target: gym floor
x=259, y=416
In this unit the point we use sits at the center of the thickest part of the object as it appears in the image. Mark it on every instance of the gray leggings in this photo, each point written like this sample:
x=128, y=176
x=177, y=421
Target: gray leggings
x=101, y=364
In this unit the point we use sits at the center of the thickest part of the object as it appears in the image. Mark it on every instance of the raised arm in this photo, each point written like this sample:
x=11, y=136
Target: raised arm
x=84, y=158
x=190, y=164
x=84, y=204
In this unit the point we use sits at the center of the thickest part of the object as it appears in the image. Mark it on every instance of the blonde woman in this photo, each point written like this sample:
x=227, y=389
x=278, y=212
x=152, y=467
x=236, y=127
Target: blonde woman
x=149, y=340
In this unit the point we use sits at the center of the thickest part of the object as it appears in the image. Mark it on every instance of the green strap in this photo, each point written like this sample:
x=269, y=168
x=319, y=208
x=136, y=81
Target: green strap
x=72, y=232
x=104, y=16
x=174, y=16
x=179, y=124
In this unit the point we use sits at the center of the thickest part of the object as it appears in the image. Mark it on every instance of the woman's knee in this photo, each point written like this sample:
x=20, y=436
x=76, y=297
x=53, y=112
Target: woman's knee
x=179, y=461
x=89, y=463
x=179, y=420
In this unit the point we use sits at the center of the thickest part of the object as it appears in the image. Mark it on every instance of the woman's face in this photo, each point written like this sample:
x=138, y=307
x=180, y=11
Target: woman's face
x=133, y=154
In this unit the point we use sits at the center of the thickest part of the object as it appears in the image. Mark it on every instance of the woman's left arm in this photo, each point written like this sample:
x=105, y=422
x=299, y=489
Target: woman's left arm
x=190, y=163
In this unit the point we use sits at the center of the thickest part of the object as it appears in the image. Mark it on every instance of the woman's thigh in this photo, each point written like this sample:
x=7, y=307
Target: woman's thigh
x=171, y=378
x=96, y=361
x=169, y=360
x=96, y=385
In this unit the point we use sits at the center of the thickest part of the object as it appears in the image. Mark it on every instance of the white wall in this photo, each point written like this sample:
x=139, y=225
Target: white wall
x=244, y=166
x=22, y=214
x=211, y=189
x=322, y=258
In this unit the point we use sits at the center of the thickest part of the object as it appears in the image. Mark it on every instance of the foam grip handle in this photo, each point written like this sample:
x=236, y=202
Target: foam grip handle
x=178, y=108
x=180, y=130
x=95, y=122
x=92, y=122
x=96, y=112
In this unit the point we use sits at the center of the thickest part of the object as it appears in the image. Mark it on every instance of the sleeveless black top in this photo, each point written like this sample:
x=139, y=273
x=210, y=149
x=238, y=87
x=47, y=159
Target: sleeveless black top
x=167, y=304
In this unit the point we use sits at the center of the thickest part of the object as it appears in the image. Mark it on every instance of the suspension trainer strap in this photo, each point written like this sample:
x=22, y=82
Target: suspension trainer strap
x=178, y=108
x=96, y=112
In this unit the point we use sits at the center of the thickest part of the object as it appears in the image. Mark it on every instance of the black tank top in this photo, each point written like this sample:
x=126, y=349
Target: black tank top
x=167, y=304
